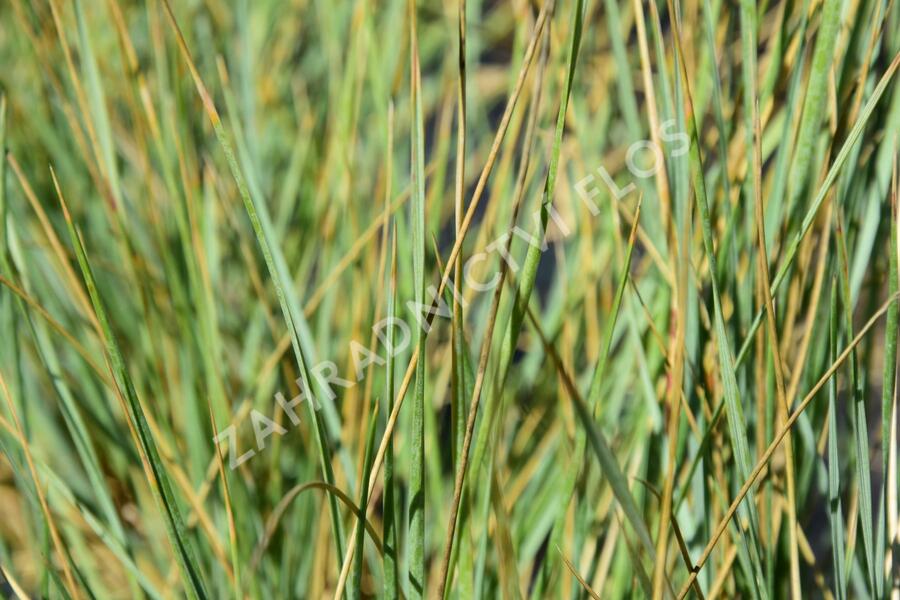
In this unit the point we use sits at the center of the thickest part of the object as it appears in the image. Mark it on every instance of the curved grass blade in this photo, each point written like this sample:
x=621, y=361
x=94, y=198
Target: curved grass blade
x=281, y=280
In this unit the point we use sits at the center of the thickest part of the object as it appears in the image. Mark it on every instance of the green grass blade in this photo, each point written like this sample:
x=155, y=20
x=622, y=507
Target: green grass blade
x=814, y=99
x=790, y=253
x=889, y=381
x=157, y=474
x=835, y=511
x=356, y=583
x=737, y=425
x=416, y=515
x=390, y=518
x=281, y=280
x=858, y=419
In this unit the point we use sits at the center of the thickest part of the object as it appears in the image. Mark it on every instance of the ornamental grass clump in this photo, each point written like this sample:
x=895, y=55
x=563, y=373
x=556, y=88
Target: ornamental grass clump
x=551, y=299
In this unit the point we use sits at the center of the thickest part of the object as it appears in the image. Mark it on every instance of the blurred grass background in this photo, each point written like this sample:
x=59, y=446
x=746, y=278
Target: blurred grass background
x=691, y=391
